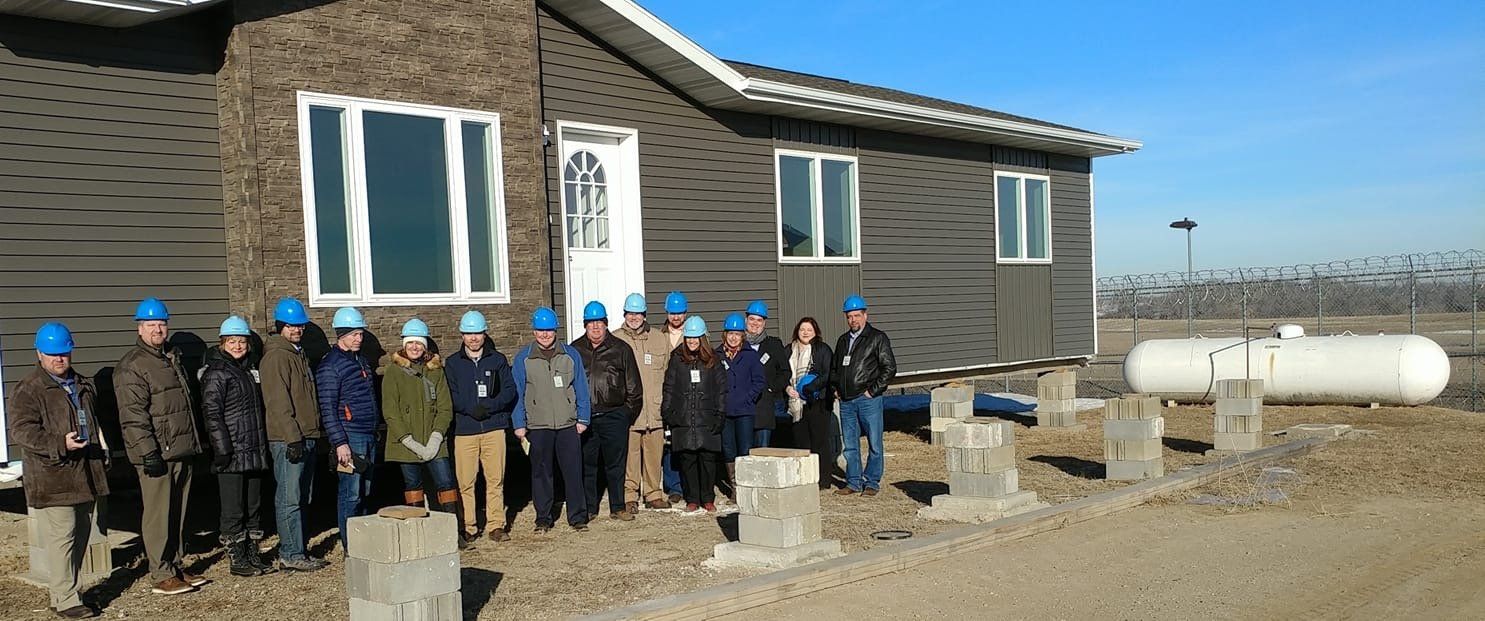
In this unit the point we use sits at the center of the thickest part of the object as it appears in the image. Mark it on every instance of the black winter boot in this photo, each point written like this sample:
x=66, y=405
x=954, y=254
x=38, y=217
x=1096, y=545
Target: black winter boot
x=254, y=553
x=237, y=552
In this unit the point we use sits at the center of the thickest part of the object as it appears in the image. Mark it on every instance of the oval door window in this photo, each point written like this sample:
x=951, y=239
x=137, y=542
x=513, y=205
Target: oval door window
x=586, y=195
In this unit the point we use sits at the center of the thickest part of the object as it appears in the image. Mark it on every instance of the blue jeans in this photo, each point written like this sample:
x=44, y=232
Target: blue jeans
x=291, y=495
x=859, y=416
x=354, y=488
x=737, y=437
x=761, y=437
x=440, y=468
x=670, y=476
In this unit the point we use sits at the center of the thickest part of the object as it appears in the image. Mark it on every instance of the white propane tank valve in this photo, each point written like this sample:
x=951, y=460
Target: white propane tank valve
x=1289, y=331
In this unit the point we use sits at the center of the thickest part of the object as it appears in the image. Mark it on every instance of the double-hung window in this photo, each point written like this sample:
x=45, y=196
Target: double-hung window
x=1023, y=218
x=818, y=210
x=403, y=204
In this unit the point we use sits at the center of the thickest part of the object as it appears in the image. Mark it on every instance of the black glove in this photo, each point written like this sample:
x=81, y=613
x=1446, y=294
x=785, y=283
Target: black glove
x=295, y=452
x=153, y=465
x=220, y=460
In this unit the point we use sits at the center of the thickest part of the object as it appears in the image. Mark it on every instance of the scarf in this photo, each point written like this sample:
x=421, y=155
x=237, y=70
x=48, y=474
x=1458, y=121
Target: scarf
x=750, y=339
x=799, y=365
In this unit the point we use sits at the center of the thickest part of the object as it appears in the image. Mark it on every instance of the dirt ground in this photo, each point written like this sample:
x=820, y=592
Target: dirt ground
x=1419, y=474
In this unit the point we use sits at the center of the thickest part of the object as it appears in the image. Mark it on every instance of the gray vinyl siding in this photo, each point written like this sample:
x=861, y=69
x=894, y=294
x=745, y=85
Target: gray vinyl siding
x=928, y=244
x=1025, y=311
x=1072, y=257
x=706, y=176
x=815, y=291
x=110, y=186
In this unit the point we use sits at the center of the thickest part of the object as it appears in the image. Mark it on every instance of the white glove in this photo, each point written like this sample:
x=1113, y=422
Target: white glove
x=435, y=442
x=413, y=445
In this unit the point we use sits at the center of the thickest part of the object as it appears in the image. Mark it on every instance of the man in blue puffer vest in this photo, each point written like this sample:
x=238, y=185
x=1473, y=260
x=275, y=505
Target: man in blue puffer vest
x=483, y=391
x=348, y=410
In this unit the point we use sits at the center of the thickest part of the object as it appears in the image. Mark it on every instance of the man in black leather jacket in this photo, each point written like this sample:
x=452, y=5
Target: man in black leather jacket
x=618, y=395
x=862, y=368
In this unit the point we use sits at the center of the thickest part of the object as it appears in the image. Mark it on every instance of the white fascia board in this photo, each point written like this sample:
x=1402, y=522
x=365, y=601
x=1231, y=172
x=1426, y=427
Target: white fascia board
x=670, y=37
x=778, y=92
x=142, y=6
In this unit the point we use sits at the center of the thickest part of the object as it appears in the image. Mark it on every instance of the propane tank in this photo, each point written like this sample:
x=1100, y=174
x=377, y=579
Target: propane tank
x=1295, y=369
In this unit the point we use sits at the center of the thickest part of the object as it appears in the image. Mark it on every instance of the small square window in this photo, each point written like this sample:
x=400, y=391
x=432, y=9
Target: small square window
x=818, y=208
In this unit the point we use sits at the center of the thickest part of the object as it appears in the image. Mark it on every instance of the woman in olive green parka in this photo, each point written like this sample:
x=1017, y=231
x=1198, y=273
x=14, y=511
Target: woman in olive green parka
x=419, y=411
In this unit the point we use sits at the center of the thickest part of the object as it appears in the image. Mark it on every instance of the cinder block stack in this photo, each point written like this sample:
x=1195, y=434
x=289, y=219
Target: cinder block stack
x=1132, y=427
x=403, y=569
x=778, y=499
x=949, y=404
x=1239, y=421
x=984, y=483
x=1056, y=393
x=97, y=560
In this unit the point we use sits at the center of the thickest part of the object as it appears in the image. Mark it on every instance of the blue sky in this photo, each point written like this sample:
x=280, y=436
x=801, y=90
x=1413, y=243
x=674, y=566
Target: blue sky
x=1291, y=132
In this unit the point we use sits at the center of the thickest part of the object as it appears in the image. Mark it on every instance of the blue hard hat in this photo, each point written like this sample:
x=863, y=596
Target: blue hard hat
x=853, y=302
x=635, y=303
x=348, y=318
x=694, y=327
x=291, y=312
x=735, y=323
x=54, y=339
x=595, y=311
x=415, y=327
x=759, y=308
x=151, y=309
x=675, y=302
x=805, y=381
x=544, y=319
x=236, y=326
x=473, y=322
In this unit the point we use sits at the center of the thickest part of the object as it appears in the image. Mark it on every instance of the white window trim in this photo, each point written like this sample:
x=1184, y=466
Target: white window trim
x=356, y=195
x=1021, y=211
x=818, y=217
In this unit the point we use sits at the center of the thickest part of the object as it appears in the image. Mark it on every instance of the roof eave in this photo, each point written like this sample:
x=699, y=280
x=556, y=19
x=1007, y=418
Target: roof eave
x=109, y=13
x=972, y=127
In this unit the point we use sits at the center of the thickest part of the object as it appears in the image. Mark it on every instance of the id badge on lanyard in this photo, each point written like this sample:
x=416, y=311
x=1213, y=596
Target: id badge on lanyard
x=695, y=376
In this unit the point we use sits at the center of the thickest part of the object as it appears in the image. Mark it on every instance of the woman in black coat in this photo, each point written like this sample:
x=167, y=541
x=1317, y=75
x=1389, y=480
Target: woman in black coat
x=233, y=409
x=810, y=408
x=693, y=407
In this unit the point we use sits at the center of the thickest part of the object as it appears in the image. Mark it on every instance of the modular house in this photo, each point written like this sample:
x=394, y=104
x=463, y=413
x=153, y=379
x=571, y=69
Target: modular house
x=425, y=158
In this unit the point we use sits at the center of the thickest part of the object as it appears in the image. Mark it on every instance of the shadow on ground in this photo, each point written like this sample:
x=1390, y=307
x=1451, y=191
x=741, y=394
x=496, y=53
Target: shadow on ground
x=922, y=492
x=1075, y=466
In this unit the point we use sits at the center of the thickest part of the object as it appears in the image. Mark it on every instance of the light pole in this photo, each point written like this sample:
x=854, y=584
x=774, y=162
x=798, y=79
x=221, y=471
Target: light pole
x=1188, y=224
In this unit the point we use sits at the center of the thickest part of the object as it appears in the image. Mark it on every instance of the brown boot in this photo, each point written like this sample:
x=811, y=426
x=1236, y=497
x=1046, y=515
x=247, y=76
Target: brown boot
x=631, y=507
x=658, y=503
x=731, y=482
x=412, y=497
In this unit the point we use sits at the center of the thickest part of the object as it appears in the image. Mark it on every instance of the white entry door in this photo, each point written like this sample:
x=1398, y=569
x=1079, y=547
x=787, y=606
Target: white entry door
x=600, y=220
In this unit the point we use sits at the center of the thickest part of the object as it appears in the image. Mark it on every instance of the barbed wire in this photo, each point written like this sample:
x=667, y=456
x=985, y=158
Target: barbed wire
x=1433, y=264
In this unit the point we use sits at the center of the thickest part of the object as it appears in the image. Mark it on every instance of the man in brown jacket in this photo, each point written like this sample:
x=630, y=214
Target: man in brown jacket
x=292, y=411
x=162, y=438
x=64, y=458
x=643, y=478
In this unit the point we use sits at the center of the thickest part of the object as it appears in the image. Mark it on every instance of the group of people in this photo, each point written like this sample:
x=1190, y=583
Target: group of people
x=652, y=416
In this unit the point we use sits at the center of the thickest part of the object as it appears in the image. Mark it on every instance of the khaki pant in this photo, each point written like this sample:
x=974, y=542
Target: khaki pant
x=64, y=535
x=643, y=471
x=471, y=453
x=164, y=521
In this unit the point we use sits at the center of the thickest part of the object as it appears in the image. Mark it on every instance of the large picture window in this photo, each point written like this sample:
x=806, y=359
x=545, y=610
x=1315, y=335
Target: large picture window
x=403, y=204
x=818, y=210
x=1023, y=218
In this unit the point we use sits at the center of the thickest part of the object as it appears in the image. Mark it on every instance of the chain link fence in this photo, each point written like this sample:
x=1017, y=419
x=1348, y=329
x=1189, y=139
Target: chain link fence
x=1437, y=295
